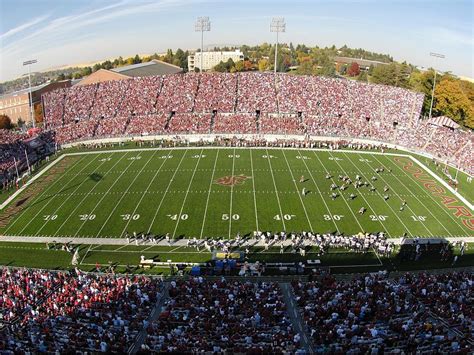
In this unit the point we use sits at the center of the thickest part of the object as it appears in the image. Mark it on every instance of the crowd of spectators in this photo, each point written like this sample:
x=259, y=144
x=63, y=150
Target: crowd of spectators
x=280, y=124
x=373, y=314
x=65, y=312
x=108, y=97
x=22, y=289
x=147, y=125
x=12, y=149
x=112, y=127
x=178, y=93
x=216, y=92
x=190, y=123
x=48, y=312
x=256, y=92
x=140, y=96
x=75, y=131
x=78, y=103
x=222, y=317
x=281, y=104
x=238, y=123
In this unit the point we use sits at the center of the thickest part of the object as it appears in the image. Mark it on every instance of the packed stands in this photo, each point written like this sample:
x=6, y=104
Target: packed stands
x=190, y=123
x=178, y=93
x=216, y=92
x=140, y=97
x=373, y=314
x=256, y=92
x=238, y=123
x=147, y=125
x=222, y=317
x=45, y=311
x=108, y=97
x=78, y=103
x=64, y=312
x=253, y=103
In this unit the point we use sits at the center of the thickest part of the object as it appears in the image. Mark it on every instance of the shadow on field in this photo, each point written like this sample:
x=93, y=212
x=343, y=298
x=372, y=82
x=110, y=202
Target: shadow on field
x=96, y=177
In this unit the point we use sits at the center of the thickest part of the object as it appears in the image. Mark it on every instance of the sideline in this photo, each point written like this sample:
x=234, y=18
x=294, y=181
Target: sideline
x=29, y=182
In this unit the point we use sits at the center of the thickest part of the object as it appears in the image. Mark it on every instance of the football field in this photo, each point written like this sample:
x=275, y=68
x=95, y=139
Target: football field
x=218, y=192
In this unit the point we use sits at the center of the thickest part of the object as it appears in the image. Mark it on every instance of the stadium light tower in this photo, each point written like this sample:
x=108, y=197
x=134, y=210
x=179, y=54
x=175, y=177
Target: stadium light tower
x=29, y=63
x=277, y=25
x=202, y=25
x=436, y=55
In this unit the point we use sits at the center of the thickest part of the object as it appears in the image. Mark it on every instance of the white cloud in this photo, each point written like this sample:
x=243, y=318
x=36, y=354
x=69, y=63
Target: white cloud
x=22, y=27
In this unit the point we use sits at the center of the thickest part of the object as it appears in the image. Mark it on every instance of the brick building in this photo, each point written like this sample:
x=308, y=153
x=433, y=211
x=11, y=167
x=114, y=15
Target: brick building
x=16, y=105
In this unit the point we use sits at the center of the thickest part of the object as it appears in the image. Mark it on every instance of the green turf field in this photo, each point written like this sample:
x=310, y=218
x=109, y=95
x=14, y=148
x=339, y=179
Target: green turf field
x=218, y=192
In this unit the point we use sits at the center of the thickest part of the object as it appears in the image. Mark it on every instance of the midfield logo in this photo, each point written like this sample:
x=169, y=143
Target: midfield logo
x=232, y=180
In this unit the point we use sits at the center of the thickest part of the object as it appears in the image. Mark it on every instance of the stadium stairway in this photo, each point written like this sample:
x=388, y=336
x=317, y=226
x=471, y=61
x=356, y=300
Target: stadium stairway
x=136, y=346
x=295, y=317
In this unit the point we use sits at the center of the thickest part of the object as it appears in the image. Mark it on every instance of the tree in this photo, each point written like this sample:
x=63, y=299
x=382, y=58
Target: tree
x=5, y=122
x=353, y=69
x=137, y=59
x=38, y=113
x=239, y=66
x=363, y=77
x=327, y=70
x=263, y=64
x=451, y=101
x=305, y=68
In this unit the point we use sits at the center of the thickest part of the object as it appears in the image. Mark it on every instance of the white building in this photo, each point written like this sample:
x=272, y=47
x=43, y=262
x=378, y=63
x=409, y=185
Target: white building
x=211, y=59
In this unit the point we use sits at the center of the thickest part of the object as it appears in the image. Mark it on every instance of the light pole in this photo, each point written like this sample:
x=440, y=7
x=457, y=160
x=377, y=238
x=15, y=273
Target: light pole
x=436, y=55
x=277, y=25
x=202, y=24
x=28, y=63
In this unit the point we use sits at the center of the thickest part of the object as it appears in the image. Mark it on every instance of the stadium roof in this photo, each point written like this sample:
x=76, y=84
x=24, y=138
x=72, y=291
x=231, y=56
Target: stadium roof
x=24, y=91
x=153, y=67
x=443, y=121
x=362, y=62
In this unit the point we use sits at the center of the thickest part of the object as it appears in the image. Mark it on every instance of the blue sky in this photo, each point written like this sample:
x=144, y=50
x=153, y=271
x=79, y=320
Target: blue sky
x=62, y=32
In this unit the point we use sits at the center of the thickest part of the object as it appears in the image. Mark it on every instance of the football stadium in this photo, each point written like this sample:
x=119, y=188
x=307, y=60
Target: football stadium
x=257, y=211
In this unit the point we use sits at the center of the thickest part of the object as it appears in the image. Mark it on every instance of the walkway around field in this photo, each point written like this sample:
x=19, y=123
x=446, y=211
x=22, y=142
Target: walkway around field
x=163, y=242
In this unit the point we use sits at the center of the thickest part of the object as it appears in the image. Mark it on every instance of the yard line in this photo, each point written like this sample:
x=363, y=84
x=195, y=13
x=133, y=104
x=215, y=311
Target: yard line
x=57, y=209
x=46, y=190
x=254, y=195
x=347, y=204
x=276, y=192
x=103, y=225
x=186, y=195
x=431, y=197
x=296, y=187
x=166, y=191
x=145, y=193
x=423, y=223
x=87, y=195
x=208, y=195
x=231, y=193
x=319, y=191
x=121, y=198
x=378, y=193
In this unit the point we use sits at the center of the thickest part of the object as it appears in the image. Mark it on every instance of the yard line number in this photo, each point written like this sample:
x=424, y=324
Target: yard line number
x=334, y=217
x=175, y=217
x=128, y=217
x=286, y=217
x=87, y=217
x=419, y=218
x=376, y=218
x=226, y=217
x=50, y=217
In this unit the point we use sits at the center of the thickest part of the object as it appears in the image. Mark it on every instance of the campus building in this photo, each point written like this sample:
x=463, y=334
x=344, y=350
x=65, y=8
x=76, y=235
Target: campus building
x=211, y=59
